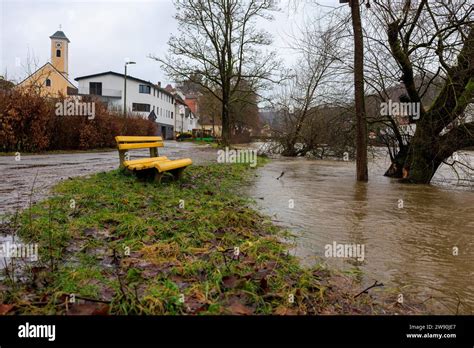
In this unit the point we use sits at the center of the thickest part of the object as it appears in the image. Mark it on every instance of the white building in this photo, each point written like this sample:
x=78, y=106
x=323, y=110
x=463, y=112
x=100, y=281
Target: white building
x=143, y=98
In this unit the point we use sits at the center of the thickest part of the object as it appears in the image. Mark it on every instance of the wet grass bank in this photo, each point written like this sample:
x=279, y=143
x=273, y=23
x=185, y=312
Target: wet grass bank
x=111, y=244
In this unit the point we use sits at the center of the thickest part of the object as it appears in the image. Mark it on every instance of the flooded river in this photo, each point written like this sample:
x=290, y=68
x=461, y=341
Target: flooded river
x=418, y=239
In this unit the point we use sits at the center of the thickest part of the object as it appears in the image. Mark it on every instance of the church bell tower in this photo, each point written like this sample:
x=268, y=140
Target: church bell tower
x=59, y=52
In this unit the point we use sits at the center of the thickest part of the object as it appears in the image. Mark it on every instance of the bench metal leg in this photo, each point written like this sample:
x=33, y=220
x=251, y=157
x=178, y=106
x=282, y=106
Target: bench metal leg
x=153, y=152
x=158, y=176
x=178, y=173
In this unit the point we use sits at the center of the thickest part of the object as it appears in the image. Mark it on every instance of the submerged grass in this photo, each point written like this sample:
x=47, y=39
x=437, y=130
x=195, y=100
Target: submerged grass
x=113, y=244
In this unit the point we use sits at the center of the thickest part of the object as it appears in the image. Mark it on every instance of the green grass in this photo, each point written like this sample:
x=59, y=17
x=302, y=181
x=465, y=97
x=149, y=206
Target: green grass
x=201, y=141
x=130, y=245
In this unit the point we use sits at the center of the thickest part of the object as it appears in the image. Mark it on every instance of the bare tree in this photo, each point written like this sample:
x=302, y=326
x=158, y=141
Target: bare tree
x=219, y=41
x=308, y=88
x=431, y=42
x=35, y=79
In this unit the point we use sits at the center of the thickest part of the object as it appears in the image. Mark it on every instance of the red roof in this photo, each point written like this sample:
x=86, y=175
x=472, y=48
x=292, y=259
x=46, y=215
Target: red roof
x=192, y=104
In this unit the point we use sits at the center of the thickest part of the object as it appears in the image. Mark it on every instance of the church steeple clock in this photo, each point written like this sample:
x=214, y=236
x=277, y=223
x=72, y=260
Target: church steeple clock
x=59, y=51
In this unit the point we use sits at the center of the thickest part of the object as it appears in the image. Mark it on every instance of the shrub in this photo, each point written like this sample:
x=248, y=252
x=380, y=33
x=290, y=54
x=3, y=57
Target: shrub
x=29, y=123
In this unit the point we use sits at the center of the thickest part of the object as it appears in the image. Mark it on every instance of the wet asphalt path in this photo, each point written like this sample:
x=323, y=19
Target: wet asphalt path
x=38, y=173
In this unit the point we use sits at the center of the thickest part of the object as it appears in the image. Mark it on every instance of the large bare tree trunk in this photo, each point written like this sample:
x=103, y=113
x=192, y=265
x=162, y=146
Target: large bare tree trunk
x=225, y=123
x=361, y=136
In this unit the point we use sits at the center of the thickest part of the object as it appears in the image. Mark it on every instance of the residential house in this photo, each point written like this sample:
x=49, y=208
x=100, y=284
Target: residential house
x=185, y=120
x=144, y=98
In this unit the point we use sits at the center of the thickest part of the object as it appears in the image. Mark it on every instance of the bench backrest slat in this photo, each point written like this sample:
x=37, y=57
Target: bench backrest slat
x=136, y=139
x=129, y=146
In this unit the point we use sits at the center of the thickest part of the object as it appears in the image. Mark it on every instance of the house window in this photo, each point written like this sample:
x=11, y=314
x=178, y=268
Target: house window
x=58, y=53
x=144, y=89
x=140, y=107
x=95, y=88
x=48, y=83
x=171, y=114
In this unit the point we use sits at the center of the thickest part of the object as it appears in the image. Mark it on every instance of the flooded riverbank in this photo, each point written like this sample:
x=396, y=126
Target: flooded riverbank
x=418, y=239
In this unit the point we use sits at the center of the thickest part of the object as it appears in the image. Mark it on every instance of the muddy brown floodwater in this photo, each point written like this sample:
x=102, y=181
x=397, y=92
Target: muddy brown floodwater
x=17, y=177
x=409, y=249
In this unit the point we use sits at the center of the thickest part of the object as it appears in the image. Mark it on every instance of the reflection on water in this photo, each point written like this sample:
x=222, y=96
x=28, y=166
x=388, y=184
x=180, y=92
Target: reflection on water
x=409, y=248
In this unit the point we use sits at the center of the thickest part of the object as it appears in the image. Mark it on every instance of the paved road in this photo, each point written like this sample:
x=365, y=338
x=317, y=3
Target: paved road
x=17, y=177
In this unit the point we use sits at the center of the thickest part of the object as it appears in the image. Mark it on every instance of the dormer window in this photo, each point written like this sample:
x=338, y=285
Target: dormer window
x=48, y=83
x=58, y=53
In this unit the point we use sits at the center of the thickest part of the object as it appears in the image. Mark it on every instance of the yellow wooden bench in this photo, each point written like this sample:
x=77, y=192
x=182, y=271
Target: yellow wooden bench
x=160, y=164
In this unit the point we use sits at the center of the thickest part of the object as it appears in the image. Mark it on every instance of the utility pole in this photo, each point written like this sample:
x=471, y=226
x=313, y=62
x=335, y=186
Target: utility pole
x=125, y=89
x=361, y=136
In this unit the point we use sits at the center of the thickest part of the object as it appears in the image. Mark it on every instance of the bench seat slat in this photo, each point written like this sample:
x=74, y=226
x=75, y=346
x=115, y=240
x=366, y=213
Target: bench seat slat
x=164, y=166
x=139, y=145
x=144, y=160
x=141, y=166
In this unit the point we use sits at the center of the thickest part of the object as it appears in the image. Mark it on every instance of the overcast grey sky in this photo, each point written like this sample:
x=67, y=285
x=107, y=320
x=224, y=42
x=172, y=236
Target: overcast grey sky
x=104, y=33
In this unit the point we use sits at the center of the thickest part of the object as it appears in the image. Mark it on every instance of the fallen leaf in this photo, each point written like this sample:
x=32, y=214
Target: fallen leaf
x=89, y=309
x=261, y=274
x=281, y=310
x=150, y=231
x=5, y=308
x=231, y=281
x=195, y=306
x=238, y=308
